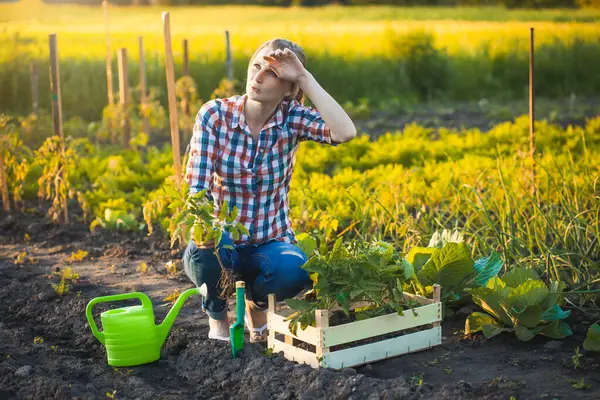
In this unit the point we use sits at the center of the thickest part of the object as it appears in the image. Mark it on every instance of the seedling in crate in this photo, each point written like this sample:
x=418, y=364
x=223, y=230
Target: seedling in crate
x=353, y=273
x=379, y=320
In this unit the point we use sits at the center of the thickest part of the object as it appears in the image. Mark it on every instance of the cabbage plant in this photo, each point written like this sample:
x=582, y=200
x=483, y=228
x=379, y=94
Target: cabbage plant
x=519, y=302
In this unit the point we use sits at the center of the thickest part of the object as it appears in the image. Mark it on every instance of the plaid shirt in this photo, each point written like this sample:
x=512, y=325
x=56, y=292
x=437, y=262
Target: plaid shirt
x=252, y=175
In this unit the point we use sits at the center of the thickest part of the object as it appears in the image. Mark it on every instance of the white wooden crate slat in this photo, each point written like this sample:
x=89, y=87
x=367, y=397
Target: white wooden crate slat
x=280, y=325
x=295, y=354
x=323, y=337
x=376, y=326
x=385, y=349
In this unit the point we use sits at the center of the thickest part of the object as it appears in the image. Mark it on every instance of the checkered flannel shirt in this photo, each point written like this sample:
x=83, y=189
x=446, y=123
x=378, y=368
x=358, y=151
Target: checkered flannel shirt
x=252, y=175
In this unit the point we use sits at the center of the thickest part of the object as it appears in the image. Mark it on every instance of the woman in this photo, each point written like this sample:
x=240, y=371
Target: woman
x=243, y=150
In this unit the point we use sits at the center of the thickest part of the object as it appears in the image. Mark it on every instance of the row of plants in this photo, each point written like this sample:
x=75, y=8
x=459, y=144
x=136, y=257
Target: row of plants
x=374, y=273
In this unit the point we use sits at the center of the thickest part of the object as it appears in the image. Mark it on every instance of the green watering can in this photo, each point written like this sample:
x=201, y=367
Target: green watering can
x=130, y=336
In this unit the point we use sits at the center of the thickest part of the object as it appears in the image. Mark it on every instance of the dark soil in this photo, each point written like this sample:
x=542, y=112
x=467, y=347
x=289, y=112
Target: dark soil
x=47, y=349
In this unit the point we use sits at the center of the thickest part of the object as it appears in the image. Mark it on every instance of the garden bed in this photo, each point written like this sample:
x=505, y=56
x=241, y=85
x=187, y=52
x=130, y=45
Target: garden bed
x=67, y=362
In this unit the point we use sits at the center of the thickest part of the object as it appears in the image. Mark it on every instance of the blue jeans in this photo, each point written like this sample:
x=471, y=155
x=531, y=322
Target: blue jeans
x=273, y=267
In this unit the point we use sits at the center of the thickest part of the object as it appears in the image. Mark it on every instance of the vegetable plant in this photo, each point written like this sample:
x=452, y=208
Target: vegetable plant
x=592, y=340
x=195, y=218
x=371, y=272
x=519, y=302
x=447, y=261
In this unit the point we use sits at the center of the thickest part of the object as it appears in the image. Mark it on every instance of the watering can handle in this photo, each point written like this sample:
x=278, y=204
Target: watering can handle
x=88, y=310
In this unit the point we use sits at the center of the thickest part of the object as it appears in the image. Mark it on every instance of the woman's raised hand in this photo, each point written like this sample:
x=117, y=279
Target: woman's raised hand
x=285, y=64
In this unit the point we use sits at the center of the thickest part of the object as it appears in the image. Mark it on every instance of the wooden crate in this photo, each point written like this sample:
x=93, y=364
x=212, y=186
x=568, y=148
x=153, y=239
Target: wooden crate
x=323, y=337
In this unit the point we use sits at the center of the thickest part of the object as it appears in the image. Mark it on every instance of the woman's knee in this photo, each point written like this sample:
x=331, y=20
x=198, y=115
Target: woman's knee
x=285, y=267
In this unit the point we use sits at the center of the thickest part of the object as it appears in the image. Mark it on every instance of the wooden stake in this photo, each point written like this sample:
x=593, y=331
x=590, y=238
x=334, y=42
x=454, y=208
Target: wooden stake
x=143, y=98
x=437, y=298
x=34, y=89
x=532, y=114
x=228, y=60
x=186, y=100
x=57, y=107
x=124, y=96
x=4, y=183
x=172, y=98
x=186, y=70
x=109, y=77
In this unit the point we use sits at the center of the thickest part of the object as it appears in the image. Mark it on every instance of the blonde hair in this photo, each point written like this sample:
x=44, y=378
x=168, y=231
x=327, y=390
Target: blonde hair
x=282, y=44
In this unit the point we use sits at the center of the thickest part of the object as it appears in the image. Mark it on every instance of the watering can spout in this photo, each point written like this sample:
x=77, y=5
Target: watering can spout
x=165, y=327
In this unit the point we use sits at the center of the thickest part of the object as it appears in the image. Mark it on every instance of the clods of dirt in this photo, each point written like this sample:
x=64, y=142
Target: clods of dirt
x=47, y=349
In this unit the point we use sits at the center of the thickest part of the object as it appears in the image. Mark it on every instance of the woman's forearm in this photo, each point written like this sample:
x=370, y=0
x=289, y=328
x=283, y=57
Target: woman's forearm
x=341, y=126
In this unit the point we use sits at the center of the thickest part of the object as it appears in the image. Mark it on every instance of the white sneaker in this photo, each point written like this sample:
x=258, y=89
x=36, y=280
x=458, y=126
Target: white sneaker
x=219, y=329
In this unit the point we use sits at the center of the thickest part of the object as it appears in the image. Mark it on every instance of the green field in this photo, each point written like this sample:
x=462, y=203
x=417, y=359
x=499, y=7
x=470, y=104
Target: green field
x=407, y=55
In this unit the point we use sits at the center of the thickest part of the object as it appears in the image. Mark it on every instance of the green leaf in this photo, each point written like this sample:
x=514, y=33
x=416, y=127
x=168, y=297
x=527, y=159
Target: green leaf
x=321, y=283
x=243, y=229
x=307, y=243
x=234, y=214
x=176, y=204
x=409, y=270
x=523, y=333
x=224, y=211
x=592, y=340
x=198, y=234
x=557, y=330
x=517, y=276
x=527, y=294
x=477, y=320
x=448, y=266
x=218, y=236
x=314, y=265
x=498, y=285
x=337, y=245
x=344, y=302
x=555, y=313
x=418, y=256
x=299, y=305
x=487, y=268
x=491, y=302
x=170, y=191
x=491, y=330
x=530, y=317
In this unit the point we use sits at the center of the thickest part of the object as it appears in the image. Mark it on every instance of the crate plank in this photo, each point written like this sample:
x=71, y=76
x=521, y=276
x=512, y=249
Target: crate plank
x=294, y=353
x=277, y=323
x=385, y=324
x=418, y=299
x=385, y=349
x=407, y=296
